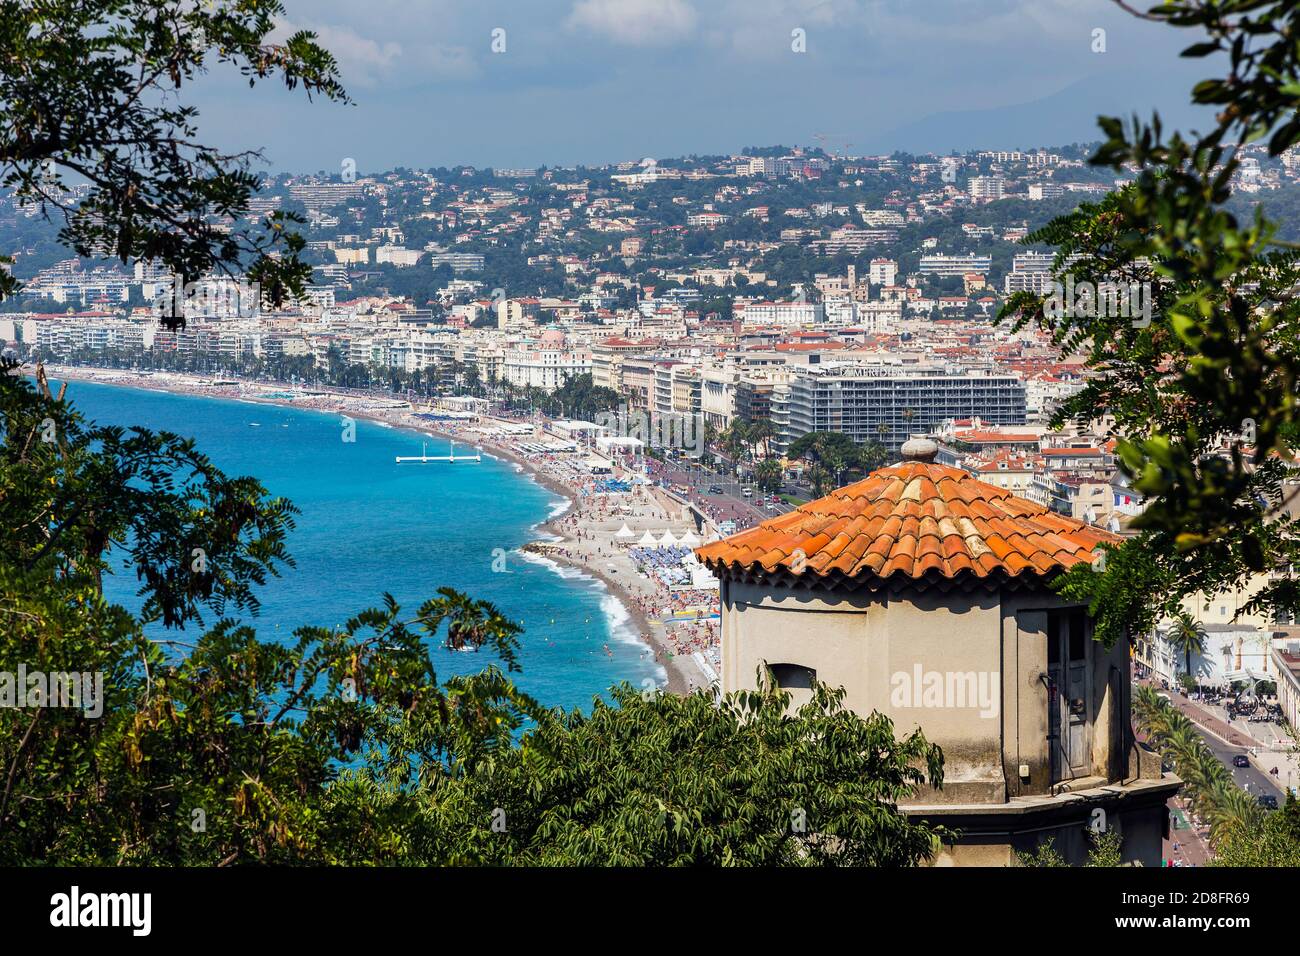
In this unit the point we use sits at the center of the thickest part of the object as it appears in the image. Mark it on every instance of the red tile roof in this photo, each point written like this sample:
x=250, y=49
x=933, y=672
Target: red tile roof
x=914, y=522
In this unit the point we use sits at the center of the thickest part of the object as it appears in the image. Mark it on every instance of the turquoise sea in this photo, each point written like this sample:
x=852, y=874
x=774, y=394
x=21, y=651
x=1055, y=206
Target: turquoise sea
x=369, y=525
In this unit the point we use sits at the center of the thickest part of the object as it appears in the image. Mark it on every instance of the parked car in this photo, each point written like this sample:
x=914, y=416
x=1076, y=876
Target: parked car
x=1241, y=760
x=1268, y=801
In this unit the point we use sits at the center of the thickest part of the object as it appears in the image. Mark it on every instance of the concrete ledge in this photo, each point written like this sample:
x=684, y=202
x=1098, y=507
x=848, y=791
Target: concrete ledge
x=1139, y=791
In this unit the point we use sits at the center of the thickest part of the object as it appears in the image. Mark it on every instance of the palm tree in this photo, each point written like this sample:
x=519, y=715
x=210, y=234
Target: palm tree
x=819, y=477
x=908, y=415
x=1208, y=785
x=1229, y=810
x=1188, y=635
x=760, y=432
x=768, y=474
x=735, y=438
x=1148, y=713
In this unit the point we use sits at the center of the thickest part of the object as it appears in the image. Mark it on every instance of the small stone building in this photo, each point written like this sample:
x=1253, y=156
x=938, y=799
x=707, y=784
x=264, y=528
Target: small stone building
x=926, y=594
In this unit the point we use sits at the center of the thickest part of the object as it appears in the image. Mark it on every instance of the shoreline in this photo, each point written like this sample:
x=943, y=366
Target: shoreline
x=681, y=675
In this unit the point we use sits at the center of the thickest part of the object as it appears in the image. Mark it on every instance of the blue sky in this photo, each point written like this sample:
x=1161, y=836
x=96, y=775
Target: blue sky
x=592, y=81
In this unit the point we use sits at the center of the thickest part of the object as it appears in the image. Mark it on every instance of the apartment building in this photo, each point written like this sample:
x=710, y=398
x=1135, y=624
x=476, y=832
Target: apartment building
x=460, y=262
x=883, y=272
x=398, y=256
x=638, y=382
x=607, y=362
x=718, y=394
x=941, y=265
x=987, y=188
x=325, y=195
x=889, y=403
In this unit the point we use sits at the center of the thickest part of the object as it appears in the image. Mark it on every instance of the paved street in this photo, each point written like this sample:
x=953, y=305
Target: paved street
x=1226, y=742
x=1186, y=846
x=731, y=505
x=1189, y=846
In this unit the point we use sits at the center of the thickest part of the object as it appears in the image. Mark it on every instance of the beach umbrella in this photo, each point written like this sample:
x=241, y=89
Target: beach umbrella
x=667, y=541
x=648, y=540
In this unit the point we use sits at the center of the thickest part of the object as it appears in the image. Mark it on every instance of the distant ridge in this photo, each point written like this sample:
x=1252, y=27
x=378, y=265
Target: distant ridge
x=1066, y=116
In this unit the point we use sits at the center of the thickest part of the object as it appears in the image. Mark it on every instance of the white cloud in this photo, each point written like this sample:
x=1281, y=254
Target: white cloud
x=367, y=63
x=635, y=22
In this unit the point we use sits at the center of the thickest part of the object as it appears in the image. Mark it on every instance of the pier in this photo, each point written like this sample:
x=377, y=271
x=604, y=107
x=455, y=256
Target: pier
x=425, y=457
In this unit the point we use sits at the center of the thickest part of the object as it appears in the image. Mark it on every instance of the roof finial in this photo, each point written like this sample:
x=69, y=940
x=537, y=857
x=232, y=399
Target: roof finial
x=920, y=449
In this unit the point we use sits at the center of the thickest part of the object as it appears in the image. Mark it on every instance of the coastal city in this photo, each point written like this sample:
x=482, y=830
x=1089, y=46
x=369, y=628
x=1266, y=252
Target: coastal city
x=684, y=349
x=445, y=442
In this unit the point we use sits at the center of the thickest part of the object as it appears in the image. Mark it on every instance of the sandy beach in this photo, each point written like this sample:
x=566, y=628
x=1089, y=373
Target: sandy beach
x=677, y=623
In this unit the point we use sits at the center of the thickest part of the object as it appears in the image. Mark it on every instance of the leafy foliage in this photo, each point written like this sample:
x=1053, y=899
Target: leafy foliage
x=89, y=94
x=342, y=745
x=1273, y=840
x=663, y=780
x=1201, y=391
x=1103, y=851
x=834, y=455
x=1207, y=783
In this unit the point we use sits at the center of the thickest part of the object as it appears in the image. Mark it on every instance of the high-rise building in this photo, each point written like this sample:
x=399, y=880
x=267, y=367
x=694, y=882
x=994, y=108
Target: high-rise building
x=987, y=188
x=954, y=265
x=883, y=272
x=889, y=403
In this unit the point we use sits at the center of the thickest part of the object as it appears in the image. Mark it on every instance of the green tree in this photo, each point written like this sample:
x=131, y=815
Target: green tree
x=664, y=780
x=768, y=474
x=342, y=745
x=833, y=455
x=735, y=439
x=1201, y=385
x=1207, y=782
x=1187, y=634
x=92, y=91
x=1271, y=840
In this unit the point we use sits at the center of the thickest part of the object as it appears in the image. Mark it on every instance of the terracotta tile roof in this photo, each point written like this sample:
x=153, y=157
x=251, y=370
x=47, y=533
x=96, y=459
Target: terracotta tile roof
x=917, y=521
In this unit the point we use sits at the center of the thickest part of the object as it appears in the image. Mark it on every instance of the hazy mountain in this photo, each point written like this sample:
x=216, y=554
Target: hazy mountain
x=1066, y=116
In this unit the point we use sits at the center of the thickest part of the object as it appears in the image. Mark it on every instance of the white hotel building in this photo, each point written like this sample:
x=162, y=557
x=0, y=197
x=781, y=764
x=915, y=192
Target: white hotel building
x=780, y=313
x=543, y=364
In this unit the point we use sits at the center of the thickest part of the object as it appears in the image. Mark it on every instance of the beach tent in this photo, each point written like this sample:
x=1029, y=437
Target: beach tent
x=648, y=540
x=702, y=579
x=667, y=541
x=690, y=540
x=625, y=532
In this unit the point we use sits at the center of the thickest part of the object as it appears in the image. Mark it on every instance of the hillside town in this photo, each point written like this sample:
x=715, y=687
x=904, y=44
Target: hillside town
x=702, y=324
